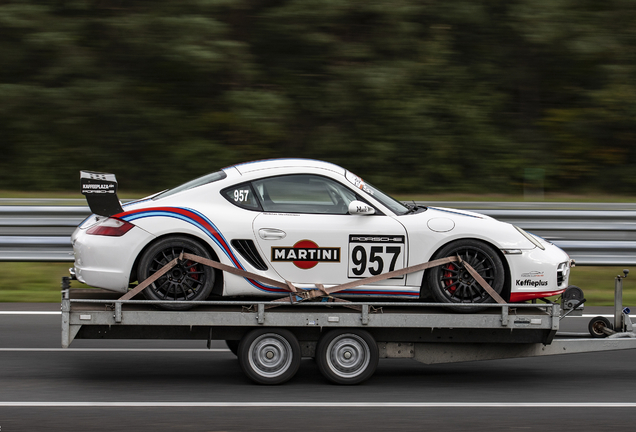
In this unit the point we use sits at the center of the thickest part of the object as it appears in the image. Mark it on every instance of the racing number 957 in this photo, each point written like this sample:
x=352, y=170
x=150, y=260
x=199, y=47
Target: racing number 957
x=241, y=195
x=371, y=255
x=374, y=262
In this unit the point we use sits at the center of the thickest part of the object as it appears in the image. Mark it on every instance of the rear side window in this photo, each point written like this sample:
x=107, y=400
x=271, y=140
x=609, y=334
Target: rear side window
x=242, y=196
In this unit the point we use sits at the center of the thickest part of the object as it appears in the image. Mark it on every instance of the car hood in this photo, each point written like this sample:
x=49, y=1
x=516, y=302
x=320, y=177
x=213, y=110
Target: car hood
x=442, y=225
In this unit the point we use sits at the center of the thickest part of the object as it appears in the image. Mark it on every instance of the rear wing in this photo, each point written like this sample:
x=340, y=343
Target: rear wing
x=100, y=190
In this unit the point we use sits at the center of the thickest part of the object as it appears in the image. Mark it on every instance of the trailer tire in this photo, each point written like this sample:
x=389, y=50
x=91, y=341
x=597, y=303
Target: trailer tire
x=347, y=356
x=187, y=281
x=451, y=284
x=596, y=326
x=269, y=356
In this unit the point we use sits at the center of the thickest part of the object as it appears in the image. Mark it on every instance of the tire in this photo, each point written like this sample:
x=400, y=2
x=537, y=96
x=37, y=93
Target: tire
x=347, y=356
x=596, y=326
x=187, y=281
x=233, y=346
x=451, y=284
x=269, y=356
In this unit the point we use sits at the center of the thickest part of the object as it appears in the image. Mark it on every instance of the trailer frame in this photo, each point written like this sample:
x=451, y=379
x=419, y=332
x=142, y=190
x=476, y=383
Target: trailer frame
x=341, y=336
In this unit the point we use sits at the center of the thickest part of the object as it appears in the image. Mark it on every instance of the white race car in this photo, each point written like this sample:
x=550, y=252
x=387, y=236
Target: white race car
x=306, y=222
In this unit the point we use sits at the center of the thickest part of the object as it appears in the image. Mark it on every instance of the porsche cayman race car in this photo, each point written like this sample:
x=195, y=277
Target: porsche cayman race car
x=306, y=222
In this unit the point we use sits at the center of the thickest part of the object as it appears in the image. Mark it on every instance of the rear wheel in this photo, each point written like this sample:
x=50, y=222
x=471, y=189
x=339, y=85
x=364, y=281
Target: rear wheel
x=347, y=356
x=187, y=281
x=451, y=283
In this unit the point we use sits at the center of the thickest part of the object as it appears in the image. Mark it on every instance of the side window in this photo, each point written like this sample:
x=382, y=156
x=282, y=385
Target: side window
x=242, y=196
x=303, y=194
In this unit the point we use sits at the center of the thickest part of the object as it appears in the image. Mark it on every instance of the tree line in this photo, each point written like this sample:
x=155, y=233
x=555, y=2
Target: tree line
x=416, y=96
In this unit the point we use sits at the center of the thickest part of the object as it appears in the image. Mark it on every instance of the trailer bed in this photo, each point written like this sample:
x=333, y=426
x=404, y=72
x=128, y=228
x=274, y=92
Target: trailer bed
x=91, y=314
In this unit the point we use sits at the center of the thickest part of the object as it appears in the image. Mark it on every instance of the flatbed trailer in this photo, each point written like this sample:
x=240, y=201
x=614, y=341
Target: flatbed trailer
x=347, y=338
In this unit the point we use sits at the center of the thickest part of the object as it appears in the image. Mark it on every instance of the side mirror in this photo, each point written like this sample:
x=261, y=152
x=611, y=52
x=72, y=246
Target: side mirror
x=360, y=208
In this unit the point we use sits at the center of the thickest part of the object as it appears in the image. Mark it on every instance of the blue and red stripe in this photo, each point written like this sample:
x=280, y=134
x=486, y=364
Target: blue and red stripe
x=200, y=221
x=204, y=224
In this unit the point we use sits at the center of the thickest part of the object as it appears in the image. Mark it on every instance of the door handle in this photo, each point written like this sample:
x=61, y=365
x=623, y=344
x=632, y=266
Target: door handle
x=271, y=234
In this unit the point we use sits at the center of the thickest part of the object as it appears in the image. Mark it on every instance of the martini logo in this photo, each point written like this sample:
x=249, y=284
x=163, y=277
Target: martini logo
x=305, y=254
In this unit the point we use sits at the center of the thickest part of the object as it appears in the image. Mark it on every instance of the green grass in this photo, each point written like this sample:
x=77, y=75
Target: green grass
x=40, y=282
x=31, y=282
x=598, y=285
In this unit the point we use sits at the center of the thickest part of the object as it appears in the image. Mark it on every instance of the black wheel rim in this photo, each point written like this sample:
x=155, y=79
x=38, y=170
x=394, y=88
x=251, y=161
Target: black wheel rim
x=458, y=286
x=183, y=281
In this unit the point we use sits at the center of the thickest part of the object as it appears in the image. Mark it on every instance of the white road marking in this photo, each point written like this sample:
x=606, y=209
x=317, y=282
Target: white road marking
x=308, y=404
x=30, y=312
x=114, y=350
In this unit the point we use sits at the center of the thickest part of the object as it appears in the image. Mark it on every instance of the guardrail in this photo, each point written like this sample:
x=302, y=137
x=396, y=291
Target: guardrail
x=592, y=233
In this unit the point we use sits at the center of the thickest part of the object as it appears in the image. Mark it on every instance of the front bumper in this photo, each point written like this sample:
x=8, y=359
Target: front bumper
x=538, y=273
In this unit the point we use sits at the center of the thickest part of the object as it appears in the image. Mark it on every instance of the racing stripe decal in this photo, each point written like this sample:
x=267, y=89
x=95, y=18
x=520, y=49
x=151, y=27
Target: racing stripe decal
x=204, y=224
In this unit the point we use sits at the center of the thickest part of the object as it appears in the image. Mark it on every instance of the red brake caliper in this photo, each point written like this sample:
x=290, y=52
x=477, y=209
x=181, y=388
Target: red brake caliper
x=190, y=265
x=448, y=282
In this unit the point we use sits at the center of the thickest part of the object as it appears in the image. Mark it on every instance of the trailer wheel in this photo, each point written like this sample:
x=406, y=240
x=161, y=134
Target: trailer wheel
x=451, y=283
x=347, y=356
x=233, y=346
x=187, y=281
x=269, y=356
x=597, y=325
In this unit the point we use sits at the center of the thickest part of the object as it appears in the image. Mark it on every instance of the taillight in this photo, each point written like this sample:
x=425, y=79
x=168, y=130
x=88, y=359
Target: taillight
x=110, y=227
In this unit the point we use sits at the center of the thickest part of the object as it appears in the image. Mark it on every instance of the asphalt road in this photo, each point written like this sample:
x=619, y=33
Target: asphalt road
x=172, y=385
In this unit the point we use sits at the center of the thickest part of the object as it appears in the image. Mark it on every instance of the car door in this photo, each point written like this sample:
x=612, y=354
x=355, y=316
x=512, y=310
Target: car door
x=308, y=236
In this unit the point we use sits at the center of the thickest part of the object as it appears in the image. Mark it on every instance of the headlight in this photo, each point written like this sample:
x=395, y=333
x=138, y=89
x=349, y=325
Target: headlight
x=532, y=238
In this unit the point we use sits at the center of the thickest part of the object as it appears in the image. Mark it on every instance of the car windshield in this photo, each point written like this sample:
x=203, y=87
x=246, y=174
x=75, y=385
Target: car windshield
x=219, y=175
x=394, y=205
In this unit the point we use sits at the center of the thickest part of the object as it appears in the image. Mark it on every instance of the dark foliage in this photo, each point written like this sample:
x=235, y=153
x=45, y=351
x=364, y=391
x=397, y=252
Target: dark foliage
x=415, y=96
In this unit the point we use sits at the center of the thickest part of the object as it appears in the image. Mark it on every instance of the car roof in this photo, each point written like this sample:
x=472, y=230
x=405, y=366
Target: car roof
x=266, y=164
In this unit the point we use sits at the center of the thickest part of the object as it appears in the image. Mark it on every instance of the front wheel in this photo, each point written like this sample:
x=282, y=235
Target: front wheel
x=598, y=325
x=187, y=281
x=347, y=356
x=451, y=283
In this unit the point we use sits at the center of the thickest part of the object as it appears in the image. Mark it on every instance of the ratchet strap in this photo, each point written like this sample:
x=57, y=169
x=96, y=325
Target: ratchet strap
x=480, y=280
x=162, y=271
x=298, y=294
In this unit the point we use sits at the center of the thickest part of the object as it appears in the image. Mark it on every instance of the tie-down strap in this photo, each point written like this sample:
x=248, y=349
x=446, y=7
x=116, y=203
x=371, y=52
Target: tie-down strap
x=320, y=290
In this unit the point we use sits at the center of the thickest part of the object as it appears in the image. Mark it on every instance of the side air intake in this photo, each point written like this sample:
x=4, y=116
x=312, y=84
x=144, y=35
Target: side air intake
x=247, y=249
